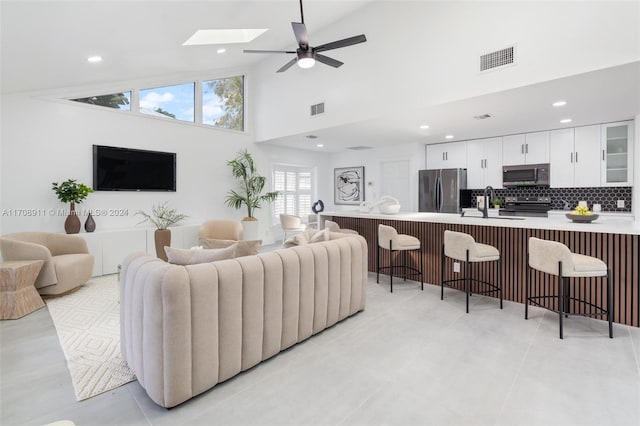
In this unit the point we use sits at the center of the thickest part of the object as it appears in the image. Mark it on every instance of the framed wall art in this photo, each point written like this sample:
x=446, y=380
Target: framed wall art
x=348, y=185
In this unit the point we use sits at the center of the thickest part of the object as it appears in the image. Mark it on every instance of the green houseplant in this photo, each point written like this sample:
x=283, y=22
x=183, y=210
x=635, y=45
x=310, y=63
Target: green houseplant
x=162, y=217
x=250, y=193
x=71, y=192
x=497, y=202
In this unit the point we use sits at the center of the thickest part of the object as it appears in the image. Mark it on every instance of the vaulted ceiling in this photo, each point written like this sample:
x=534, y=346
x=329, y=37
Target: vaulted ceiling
x=45, y=45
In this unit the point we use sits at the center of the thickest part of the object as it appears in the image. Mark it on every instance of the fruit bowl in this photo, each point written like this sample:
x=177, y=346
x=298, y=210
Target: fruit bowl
x=582, y=218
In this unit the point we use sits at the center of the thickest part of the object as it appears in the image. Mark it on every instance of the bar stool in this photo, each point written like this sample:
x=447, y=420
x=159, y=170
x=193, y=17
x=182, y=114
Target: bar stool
x=463, y=247
x=389, y=239
x=555, y=258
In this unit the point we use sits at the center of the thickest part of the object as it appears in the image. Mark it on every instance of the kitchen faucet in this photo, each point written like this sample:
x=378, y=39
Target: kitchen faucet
x=485, y=210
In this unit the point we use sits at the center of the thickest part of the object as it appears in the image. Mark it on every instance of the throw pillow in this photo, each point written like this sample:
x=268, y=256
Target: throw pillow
x=192, y=257
x=331, y=226
x=319, y=236
x=245, y=247
x=297, y=240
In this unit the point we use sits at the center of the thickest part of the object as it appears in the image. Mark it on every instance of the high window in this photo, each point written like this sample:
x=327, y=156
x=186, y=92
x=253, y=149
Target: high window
x=295, y=186
x=175, y=102
x=223, y=103
x=114, y=100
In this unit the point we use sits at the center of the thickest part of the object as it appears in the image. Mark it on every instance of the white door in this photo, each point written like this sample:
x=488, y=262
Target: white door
x=476, y=150
x=395, y=180
x=536, y=148
x=587, y=156
x=562, y=158
x=493, y=162
x=513, y=150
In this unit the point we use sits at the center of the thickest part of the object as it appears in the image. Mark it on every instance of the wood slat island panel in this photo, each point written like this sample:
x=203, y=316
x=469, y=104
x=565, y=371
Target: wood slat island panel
x=621, y=252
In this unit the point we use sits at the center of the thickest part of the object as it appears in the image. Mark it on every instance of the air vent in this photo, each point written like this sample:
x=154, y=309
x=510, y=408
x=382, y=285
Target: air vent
x=317, y=109
x=482, y=116
x=499, y=58
x=359, y=147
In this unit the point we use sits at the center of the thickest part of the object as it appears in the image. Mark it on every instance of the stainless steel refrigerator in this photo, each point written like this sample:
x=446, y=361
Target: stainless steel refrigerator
x=442, y=190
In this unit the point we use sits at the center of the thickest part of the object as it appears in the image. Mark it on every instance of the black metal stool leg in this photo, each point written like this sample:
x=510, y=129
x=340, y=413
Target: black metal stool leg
x=378, y=259
x=467, y=281
x=567, y=294
x=422, y=269
x=442, y=275
x=560, y=295
x=391, y=263
x=526, y=298
x=500, y=279
x=609, y=304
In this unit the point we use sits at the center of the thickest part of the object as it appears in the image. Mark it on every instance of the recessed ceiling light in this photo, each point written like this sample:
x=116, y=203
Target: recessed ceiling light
x=94, y=59
x=565, y=120
x=223, y=36
x=311, y=137
x=424, y=126
x=559, y=103
x=221, y=50
x=320, y=145
x=449, y=137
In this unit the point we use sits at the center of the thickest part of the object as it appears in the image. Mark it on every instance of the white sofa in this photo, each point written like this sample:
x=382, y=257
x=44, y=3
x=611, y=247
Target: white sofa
x=186, y=328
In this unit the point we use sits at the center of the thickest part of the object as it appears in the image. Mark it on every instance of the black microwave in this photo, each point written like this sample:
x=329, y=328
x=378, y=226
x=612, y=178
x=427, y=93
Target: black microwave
x=525, y=175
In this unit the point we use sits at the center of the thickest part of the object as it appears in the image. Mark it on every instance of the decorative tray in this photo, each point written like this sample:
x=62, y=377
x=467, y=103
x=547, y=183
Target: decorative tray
x=582, y=218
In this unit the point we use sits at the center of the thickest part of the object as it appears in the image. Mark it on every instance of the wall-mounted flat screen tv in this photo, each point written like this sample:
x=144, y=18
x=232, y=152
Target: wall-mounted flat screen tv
x=124, y=169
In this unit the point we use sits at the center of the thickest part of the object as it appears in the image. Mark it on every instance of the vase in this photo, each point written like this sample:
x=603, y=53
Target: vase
x=162, y=238
x=250, y=229
x=89, y=224
x=72, y=223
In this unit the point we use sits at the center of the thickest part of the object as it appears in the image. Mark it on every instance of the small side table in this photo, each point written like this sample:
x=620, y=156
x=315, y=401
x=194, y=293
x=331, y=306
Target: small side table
x=18, y=296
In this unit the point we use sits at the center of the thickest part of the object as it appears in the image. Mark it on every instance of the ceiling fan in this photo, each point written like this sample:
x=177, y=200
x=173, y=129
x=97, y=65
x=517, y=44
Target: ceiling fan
x=306, y=55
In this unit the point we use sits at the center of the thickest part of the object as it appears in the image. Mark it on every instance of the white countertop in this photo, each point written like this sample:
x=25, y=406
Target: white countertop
x=607, y=223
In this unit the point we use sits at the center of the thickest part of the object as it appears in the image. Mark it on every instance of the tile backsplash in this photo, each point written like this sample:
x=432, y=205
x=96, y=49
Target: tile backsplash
x=606, y=196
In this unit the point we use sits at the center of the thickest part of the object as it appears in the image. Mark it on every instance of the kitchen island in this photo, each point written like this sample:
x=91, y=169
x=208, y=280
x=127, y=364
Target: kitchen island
x=615, y=240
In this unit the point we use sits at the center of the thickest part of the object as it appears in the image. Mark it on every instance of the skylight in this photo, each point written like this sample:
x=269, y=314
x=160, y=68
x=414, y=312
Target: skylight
x=223, y=36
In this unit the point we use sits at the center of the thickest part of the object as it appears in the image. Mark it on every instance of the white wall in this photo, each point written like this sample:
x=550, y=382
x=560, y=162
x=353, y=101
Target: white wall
x=372, y=160
x=420, y=54
x=43, y=141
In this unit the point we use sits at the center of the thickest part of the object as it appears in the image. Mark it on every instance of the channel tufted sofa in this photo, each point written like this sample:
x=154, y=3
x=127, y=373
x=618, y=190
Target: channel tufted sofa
x=186, y=328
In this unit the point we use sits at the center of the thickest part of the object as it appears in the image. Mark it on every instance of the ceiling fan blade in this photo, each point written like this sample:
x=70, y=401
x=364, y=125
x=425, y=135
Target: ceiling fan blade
x=268, y=51
x=341, y=43
x=300, y=30
x=328, y=61
x=288, y=65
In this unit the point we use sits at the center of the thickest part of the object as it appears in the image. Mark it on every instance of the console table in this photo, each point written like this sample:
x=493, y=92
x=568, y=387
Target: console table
x=18, y=296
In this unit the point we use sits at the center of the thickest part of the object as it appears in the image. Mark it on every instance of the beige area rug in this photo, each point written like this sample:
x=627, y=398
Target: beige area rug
x=88, y=326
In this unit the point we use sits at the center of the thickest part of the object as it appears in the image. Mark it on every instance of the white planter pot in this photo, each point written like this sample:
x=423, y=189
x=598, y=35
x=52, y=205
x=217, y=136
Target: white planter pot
x=250, y=230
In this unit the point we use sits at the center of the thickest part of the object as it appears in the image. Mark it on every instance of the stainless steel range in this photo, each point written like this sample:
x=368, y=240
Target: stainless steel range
x=526, y=206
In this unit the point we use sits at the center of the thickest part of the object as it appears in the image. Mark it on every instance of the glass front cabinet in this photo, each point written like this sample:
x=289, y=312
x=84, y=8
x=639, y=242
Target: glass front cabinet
x=617, y=154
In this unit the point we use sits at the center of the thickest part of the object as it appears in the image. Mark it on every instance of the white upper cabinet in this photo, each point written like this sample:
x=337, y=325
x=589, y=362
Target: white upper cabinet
x=587, y=156
x=617, y=154
x=484, y=163
x=574, y=157
x=451, y=155
x=529, y=148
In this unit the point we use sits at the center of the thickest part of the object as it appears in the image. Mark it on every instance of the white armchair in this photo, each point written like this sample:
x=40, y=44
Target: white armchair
x=67, y=262
x=290, y=223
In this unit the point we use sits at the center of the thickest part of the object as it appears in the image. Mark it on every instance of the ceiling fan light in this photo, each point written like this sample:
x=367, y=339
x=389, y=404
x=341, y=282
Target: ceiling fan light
x=306, y=62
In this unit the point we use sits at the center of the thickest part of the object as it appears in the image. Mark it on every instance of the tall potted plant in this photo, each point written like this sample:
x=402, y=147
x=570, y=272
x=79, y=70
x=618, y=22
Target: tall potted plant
x=251, y=192
x=72, y=192
x=162, y=217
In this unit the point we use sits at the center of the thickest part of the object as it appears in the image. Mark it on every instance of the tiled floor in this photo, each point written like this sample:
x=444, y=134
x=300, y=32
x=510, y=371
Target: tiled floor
x=408, y=359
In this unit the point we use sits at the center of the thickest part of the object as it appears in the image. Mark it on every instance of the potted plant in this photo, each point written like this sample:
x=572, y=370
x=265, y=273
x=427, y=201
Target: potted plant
x=497, y=202
x=250, y=193
x=72, y=192
x=162, y=217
